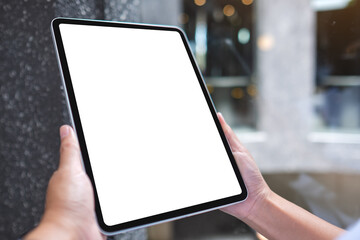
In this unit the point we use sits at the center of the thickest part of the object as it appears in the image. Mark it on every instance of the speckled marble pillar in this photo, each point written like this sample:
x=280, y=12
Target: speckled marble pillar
x=32, y=104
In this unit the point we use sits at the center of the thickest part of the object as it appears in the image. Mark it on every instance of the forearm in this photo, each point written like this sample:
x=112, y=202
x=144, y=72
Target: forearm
x=277, y=218
x=50, y=229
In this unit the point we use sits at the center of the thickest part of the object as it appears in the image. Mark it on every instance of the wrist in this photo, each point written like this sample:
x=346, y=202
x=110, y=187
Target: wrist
x=263, y=215
x=277, y=218
x=261, y=204
x=50, y=228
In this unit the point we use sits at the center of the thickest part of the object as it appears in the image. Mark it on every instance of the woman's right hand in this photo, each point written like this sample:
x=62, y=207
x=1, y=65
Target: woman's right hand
x=257, y=188
x=265, y=211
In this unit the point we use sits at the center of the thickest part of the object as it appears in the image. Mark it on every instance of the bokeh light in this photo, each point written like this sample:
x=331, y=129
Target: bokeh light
x=244, y=36
x=237, y=93
x=200, y=2
x=229, y=10
x=183, y=18
x=247, y=2
x=265, y=42
x=251, y=90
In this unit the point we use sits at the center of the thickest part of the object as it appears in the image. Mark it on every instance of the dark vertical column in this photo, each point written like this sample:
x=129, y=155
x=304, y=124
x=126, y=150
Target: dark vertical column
x=32, y=105
x=161, y=11
x=32, y=108
x=122, y=10
x=90, y=9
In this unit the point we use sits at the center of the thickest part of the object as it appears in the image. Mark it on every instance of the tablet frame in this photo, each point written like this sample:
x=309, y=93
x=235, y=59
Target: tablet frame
x=75, y=117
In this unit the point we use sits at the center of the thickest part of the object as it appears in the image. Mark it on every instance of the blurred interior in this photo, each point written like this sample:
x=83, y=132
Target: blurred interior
x=284, y=73
x=286, y=76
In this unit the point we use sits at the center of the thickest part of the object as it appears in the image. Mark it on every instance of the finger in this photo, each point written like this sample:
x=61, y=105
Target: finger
x=69, y=149
x=234, y=142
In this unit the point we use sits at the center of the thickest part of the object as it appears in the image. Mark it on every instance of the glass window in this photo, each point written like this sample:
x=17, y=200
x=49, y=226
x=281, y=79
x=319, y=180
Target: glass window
x=338, y=65
x=221, y=36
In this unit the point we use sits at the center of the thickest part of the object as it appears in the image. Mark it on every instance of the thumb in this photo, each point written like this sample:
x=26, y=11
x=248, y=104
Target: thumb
x=70, y=157
x=233, y=140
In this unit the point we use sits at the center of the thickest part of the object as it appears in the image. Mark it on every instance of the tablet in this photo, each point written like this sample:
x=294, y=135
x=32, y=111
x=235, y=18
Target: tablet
x=149, y=136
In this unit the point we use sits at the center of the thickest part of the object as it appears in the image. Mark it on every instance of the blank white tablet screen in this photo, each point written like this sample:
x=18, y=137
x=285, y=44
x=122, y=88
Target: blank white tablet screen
x=152, y=142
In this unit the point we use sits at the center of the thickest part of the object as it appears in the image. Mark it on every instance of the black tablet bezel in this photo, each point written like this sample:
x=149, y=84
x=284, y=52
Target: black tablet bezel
x=191, y=210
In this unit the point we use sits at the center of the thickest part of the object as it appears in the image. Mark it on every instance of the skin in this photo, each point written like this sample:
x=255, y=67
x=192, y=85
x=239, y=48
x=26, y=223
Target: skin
x=265, y=211
x=69, y=210
x=69, y=207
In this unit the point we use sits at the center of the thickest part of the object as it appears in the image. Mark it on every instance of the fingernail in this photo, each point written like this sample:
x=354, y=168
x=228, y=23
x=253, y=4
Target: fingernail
x=64, y=131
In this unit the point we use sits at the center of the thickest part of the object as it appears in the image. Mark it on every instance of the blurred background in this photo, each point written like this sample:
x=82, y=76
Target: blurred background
x=285, y=75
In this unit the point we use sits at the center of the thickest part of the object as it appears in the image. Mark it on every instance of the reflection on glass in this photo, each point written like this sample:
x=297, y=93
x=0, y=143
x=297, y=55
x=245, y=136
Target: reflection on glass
x=220, y=34
x=338, y=65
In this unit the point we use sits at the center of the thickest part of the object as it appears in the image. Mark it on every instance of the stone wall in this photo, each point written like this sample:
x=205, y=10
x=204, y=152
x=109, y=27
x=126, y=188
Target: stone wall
x=32, y=102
